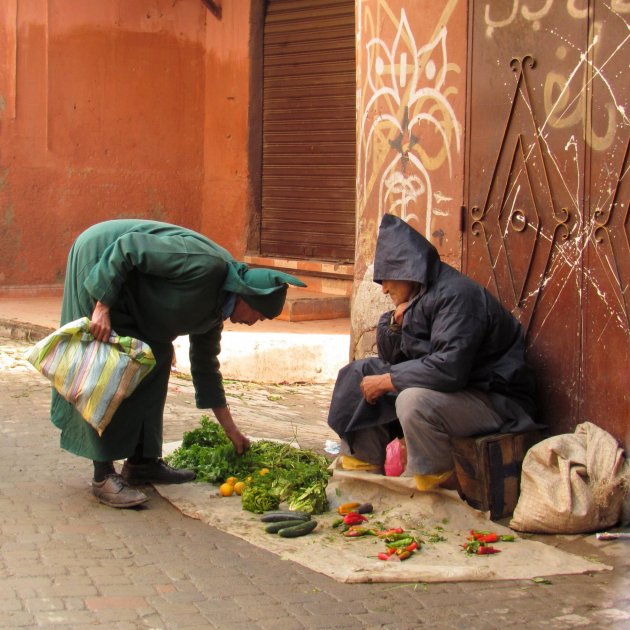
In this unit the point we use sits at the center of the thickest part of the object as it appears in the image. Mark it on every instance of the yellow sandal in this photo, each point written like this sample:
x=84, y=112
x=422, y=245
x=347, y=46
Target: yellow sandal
x=426, y=483
x=352, y=463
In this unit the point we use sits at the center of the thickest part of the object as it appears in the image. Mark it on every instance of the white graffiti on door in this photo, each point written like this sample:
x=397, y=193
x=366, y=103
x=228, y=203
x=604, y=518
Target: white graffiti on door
x=408, y=128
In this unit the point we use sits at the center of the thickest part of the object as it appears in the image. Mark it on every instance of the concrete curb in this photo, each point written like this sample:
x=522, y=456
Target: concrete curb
x=22, y=331
x=262, y=358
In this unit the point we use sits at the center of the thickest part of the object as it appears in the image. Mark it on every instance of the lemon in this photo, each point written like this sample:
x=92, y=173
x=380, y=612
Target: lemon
x=226, y=489
x=238, y=487
x=263, y=471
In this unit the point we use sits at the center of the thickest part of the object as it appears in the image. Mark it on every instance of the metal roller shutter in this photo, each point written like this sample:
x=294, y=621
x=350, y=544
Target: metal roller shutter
x=308, y=162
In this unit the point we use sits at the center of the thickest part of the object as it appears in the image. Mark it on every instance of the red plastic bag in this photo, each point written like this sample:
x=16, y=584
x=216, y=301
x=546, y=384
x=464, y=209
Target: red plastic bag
x=395, y=458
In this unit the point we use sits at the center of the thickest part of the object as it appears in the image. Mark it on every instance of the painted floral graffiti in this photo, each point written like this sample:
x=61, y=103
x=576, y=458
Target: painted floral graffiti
x=408, y=127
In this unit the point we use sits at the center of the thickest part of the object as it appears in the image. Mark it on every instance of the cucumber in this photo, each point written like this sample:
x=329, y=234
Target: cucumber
x=284, y=515
x=301, y=529
x=274, y=528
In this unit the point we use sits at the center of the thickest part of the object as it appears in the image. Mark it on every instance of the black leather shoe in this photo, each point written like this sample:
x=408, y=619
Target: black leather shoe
x=156, y=471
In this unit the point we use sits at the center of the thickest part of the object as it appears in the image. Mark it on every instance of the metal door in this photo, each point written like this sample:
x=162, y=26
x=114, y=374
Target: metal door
x=309, y=137
x=547, y=203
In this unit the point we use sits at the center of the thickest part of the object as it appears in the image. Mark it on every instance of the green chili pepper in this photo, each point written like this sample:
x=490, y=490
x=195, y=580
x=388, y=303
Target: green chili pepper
x=400, y=544
x=395, y=536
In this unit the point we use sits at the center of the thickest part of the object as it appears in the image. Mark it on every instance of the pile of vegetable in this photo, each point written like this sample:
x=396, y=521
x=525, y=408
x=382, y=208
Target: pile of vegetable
x=399, y=544
x=297, y=477
x=479, y=543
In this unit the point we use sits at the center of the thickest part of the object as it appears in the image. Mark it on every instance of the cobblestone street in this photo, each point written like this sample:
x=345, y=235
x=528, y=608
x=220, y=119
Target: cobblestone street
x=68, y=562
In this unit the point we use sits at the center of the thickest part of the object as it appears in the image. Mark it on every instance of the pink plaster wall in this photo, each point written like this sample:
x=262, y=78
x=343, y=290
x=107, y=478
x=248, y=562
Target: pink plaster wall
x=131, y=108
x=226, y=199
x=101, y=116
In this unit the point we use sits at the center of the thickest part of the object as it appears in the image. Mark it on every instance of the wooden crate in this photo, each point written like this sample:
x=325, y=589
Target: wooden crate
x=488, y=469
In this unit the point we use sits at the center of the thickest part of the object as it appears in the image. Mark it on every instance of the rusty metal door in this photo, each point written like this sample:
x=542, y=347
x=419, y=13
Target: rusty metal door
x=547, y=194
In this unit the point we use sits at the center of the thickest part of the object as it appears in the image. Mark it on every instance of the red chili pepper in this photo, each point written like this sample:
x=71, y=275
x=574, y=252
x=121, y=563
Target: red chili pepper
x=355, y=530
x=354, y=518
x=387, y=554
x=412, y=547
x=484, y=537
x=403, y=554
x=487, y=549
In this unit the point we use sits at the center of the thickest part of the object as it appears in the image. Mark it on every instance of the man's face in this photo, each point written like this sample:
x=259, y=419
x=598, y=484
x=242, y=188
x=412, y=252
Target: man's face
x=243, y=313
x=399, y=290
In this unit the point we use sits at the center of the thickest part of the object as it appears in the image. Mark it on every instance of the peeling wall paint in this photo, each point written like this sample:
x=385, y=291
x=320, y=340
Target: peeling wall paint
x=411, y=90
x=102, y=117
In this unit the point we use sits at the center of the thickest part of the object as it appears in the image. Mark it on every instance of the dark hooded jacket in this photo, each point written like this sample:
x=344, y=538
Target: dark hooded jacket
x=455, y=336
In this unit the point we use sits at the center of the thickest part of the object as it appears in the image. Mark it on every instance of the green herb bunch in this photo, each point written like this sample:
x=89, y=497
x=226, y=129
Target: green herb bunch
x=296, y=476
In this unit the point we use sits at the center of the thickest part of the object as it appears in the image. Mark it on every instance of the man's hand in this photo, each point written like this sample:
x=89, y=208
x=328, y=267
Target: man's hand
x=224, y=416
x=240, y=441
x=100, y=323
x=399, y=312
x=373, y=387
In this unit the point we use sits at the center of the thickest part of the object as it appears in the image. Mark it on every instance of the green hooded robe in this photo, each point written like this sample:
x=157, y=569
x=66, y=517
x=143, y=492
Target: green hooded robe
x=160, y=281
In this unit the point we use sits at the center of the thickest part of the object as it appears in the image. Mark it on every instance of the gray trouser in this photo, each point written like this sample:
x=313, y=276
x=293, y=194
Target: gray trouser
x=428, y=419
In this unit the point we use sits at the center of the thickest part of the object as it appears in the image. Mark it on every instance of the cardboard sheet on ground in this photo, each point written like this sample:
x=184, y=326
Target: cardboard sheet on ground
x=396, y=504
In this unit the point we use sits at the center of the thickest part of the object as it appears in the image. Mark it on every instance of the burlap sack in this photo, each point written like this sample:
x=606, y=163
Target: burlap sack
x=572, y=483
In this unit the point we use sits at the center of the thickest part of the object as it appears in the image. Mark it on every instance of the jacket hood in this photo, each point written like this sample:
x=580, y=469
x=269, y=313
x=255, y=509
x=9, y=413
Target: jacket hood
x=402, y=253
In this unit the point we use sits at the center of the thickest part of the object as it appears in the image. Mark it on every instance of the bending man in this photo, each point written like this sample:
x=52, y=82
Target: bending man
x=155, y=282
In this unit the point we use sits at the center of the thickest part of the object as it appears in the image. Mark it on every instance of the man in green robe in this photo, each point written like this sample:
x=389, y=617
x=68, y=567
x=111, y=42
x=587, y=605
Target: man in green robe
x=155, y=281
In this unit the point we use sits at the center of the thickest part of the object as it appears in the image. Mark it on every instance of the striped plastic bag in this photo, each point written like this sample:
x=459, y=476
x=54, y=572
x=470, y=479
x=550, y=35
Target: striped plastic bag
x=93, y=376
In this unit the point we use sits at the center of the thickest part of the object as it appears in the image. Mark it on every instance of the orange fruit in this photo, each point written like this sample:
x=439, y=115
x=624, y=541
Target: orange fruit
x=238, y=487
x=231, y=480
x=226, y=489
x=263, y=471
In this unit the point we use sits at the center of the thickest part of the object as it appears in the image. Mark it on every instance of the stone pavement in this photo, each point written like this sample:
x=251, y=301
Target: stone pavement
x=68, y=562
